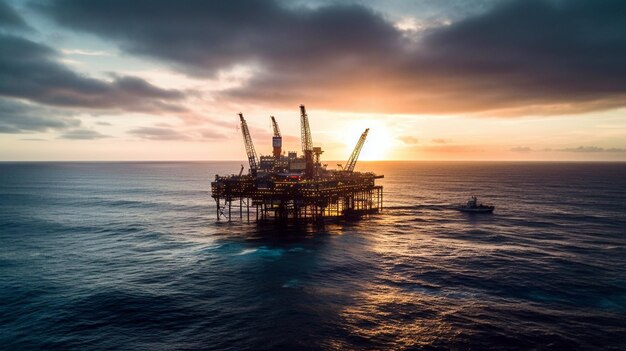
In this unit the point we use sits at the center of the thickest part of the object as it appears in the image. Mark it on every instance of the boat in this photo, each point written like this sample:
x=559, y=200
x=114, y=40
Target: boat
x=473, y=206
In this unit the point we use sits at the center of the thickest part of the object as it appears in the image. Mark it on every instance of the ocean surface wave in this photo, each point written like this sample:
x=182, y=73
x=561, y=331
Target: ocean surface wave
x=98, y=256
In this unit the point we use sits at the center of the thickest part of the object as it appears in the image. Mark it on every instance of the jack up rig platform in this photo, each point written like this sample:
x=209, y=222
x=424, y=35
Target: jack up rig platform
x=291, y=187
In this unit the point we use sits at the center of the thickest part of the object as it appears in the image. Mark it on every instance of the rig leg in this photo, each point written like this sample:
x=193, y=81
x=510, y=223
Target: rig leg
x=217, y=202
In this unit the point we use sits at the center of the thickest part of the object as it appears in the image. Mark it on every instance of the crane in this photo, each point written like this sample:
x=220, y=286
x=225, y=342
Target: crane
x=252, y=159
x=307, y=143
x=277, y=140
x=355, y=153
x=275, y=126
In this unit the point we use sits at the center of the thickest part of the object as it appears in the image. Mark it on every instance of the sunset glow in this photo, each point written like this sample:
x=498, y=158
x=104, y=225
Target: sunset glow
x=380, y=141
x=312, y=175
x=97, y=90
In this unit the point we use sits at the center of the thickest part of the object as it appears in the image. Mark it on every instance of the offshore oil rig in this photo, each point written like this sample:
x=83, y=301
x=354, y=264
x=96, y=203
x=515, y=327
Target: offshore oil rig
x=291, y=187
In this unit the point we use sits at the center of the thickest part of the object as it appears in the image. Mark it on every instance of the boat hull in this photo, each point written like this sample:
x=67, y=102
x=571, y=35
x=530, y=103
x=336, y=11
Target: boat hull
x=484, y=209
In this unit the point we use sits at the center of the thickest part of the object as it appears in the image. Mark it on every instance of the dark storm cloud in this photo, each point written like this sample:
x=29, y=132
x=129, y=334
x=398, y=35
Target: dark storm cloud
x=82, y=134
x=9, y=18
x=544, y=56
x=18, y=117
x=30, y=70
x=205, y=36
x=539, y=51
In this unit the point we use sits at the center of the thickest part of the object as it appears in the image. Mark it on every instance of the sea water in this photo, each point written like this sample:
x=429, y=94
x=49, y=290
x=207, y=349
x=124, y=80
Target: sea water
x=129, y=256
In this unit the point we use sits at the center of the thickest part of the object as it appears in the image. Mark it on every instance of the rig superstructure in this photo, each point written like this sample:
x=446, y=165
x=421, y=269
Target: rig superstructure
x=292, y=187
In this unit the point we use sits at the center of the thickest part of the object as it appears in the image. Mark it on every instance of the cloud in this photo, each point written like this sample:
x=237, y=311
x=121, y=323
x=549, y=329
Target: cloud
x=157, y=133
x=82, y=134
x=9, y=18
x=439, y=141
x=452, y=149
x=32, y=71
x=163, y=131
x=230, y=32
x=19, y=117
x=211, y=134
x=588, y=149
x=518, y=57
x=579, y=149
x=407, y=139
x=522, y=149
x=85, y=52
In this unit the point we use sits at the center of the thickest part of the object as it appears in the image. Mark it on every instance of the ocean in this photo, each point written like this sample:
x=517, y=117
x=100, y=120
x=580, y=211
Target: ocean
x=129, y=256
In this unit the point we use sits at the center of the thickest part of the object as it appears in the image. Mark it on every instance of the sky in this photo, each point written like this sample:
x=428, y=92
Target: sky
x=432, y=79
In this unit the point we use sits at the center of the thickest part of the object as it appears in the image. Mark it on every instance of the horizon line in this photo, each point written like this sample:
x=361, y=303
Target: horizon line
x=360, y=161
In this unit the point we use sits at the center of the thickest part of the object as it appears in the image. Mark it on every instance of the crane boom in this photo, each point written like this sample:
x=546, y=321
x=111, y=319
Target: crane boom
x=307, y=143
x=305, y=131
x=355, y=153
x=252, y=159
x=275, y=126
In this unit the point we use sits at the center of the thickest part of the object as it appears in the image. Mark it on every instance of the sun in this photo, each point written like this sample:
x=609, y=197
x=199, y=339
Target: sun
x=378, y=143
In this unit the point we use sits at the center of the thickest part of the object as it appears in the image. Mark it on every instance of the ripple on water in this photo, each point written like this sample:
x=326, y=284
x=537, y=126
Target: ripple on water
x=128, y=256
